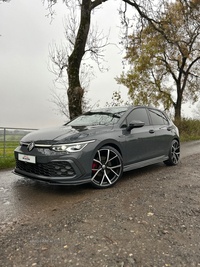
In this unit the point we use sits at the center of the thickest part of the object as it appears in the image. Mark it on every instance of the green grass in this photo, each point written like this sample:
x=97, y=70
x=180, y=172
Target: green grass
x=7, y=162
x=9, y=147
x=14, y=138
x=189, y=130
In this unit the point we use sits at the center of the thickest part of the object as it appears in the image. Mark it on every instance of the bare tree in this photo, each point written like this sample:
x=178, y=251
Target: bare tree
x=68, y=58
x=59, y=91
x=79, y=44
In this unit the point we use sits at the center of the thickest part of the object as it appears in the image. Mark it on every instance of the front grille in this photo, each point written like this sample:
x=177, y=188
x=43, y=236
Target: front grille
x=52, y=169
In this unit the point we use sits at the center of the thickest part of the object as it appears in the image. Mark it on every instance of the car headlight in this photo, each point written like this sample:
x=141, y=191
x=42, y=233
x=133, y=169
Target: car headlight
x=74, y=147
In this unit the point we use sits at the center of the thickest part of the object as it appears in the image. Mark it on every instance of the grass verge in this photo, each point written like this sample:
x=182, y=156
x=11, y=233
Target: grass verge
x=189, y=129
x=7, y=162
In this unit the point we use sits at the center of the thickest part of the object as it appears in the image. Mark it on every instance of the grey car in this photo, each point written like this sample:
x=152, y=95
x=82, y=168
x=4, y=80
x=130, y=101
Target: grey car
x=98, y=146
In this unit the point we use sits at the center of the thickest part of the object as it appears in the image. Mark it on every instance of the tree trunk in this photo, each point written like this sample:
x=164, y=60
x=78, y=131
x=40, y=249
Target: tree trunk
x=178, y=111
x=178, y=104
x=75, y=92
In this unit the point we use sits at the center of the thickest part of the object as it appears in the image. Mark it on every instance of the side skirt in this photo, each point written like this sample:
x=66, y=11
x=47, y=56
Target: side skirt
x=144, y=163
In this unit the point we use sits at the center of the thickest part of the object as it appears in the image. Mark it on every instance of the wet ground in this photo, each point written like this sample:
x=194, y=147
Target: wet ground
x=23, y=198
x=149, y=218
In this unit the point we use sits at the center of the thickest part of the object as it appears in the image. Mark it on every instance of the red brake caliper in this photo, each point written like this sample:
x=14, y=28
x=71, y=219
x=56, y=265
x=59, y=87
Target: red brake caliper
x=94, y=166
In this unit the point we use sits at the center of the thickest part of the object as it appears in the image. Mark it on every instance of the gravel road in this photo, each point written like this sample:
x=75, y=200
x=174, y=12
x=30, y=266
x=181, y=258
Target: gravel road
x=151, y=217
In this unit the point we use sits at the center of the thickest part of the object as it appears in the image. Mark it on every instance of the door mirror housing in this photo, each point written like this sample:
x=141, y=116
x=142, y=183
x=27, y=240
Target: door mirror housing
x=135, y=124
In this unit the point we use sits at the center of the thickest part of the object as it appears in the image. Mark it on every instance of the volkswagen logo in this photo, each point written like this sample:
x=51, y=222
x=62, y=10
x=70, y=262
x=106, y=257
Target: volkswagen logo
x=31, y=146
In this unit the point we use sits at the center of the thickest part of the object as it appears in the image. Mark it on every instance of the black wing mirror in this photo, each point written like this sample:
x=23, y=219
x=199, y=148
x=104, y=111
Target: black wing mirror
x=134, y=124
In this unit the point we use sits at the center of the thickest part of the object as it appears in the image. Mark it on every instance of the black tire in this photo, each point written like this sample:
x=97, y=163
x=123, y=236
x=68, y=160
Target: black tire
x=107, y=167
x=174, y=153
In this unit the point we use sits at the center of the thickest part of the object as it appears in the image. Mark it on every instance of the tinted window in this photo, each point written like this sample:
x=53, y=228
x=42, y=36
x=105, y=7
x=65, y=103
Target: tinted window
x=158, y=117
x=138, y=114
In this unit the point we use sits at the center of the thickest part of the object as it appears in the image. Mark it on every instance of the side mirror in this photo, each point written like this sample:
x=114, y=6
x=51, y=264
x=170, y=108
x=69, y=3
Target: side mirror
x=134, y=124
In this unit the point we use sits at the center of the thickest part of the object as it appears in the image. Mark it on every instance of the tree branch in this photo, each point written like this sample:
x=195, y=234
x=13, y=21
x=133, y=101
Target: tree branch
x=96, y=3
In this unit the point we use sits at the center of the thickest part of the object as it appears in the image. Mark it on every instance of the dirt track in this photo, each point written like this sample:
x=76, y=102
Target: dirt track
x=151, y=217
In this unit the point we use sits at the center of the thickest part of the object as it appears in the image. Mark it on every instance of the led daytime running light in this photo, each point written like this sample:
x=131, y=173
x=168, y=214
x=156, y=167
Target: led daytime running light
x=74, y=147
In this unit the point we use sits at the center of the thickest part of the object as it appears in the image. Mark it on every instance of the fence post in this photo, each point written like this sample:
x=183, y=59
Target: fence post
x=7, y=142
x=4, y=142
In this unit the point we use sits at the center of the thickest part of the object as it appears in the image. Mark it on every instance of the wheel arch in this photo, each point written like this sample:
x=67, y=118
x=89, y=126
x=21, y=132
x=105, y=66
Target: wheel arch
x=111, y=143
x=114, y=146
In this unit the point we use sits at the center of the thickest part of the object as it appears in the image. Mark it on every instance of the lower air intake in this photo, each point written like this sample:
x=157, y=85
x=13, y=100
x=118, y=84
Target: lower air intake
x=52, y=169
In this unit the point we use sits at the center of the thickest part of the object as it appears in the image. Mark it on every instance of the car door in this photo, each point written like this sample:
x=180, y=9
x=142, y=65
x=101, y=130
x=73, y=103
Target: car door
x=162, y=134
x=140, y=142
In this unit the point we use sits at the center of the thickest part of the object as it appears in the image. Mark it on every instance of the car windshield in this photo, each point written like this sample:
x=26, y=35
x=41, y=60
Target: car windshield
x=99, y=117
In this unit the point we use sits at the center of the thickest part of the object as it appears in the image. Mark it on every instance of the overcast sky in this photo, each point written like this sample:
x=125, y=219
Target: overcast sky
x=25, y=81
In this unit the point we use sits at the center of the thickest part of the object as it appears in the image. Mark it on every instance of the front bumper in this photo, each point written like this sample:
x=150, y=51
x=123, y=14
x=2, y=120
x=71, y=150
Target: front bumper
x=52, y=167
x=52, y=180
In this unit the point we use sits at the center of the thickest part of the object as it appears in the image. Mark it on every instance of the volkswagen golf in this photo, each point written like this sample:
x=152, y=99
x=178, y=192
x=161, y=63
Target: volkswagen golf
x=98, y=146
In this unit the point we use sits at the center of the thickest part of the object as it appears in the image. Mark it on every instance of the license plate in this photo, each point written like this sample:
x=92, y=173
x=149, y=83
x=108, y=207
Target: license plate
x=27, y=158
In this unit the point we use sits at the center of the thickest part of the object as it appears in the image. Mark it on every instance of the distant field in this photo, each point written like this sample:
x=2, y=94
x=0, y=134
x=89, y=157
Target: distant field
x=9, y=147
x=11, y=142
x=11, y=137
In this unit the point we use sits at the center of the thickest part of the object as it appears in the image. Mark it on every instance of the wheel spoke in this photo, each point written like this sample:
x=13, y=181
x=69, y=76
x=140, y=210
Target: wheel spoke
x=96, y=173
x=102, y=179
x=177, y=157
x=107, y=178
x=114, y=167
x=97, y=161
x=113, y=158
x=111, y=168
x=174, y=159
x=99, y=155
x=108, y=155
x=113, y=172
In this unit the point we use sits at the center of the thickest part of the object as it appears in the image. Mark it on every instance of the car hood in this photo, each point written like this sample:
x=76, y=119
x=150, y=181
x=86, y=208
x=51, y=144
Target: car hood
x=65, y=134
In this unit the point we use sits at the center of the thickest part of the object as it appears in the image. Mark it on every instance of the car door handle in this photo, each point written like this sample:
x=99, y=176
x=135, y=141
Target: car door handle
x=151, y=131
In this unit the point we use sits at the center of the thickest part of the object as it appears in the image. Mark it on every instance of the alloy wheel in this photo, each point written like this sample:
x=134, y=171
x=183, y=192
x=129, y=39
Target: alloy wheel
x=174, y=154
x=107, y=167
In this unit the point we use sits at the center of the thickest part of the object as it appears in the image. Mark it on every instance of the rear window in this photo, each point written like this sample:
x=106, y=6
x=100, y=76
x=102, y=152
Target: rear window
x=158, y=117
